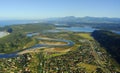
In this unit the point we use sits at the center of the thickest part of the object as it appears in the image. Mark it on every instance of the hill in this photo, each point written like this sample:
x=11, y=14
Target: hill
x=110, y=41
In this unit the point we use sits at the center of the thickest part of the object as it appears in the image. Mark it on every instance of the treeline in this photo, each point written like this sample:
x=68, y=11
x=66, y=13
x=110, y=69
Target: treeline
x=32, y=27
x=35, y=27
x=13, y=42
x=110, y=41
x=4, y=28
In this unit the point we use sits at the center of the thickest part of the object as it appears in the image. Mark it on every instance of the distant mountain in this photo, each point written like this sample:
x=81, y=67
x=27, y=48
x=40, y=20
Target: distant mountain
x=86, y=19
x=68, y=19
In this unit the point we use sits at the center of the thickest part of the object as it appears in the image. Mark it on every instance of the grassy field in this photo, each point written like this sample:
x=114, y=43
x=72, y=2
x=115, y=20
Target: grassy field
x=86, y=36
x=89, y=68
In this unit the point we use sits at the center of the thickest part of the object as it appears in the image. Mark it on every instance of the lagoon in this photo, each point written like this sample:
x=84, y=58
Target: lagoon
x=72, y=29
x=77, y=29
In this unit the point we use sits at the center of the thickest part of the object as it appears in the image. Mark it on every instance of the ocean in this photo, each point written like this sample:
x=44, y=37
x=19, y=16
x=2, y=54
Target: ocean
x=14, y=22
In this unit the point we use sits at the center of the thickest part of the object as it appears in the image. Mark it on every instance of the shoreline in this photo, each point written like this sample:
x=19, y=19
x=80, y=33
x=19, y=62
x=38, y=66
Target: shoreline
x=3, y=34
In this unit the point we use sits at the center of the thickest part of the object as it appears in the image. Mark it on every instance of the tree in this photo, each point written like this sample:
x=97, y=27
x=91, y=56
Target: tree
x=99, y=70
x=9, y=30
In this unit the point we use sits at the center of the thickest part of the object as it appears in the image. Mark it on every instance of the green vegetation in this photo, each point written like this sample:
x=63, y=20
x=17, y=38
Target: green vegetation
x=13, y=42
x=17, y=39
x=85, y=56
x=89, y=68
x=86, y=36
x=36, y=27
x=110, y=41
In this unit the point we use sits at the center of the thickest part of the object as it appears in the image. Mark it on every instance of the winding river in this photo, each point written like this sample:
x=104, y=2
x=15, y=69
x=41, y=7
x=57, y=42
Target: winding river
x=38, y=46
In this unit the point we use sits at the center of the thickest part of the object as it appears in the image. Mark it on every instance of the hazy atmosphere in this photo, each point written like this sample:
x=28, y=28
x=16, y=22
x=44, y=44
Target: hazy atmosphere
x=38, y=9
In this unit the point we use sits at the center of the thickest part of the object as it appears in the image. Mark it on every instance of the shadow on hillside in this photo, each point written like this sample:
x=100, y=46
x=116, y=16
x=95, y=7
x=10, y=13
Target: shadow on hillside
x=110, y=41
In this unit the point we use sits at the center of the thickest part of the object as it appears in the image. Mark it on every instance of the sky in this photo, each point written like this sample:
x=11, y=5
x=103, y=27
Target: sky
x=39, y=9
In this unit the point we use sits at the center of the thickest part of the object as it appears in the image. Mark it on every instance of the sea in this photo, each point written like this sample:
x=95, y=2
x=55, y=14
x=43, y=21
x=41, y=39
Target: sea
x=15, y=22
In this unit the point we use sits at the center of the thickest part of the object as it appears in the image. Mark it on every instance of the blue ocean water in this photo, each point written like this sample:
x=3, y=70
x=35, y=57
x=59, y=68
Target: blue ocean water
x=14, y=22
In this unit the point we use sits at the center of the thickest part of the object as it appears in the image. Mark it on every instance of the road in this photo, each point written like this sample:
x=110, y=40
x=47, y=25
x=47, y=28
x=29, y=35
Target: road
x=97, y=57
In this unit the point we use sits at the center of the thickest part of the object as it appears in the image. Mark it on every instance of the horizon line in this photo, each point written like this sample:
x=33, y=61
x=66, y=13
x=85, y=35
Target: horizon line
x=3, y=18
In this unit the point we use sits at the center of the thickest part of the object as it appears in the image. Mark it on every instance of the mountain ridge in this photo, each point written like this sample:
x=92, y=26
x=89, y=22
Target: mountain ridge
x=86, y=19
x=67, y=19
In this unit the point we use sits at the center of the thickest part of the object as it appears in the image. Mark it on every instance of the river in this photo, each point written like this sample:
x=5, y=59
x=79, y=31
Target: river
x=58, y=29
x=15, y=54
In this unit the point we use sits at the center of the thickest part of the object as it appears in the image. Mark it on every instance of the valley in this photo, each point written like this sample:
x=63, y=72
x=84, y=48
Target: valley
x=54, y=52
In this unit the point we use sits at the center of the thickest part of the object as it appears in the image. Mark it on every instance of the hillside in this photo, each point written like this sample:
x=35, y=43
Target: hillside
x=110, y=41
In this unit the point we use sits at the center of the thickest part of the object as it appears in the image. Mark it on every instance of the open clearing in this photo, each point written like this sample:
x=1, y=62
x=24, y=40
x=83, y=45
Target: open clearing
x=85, y=35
